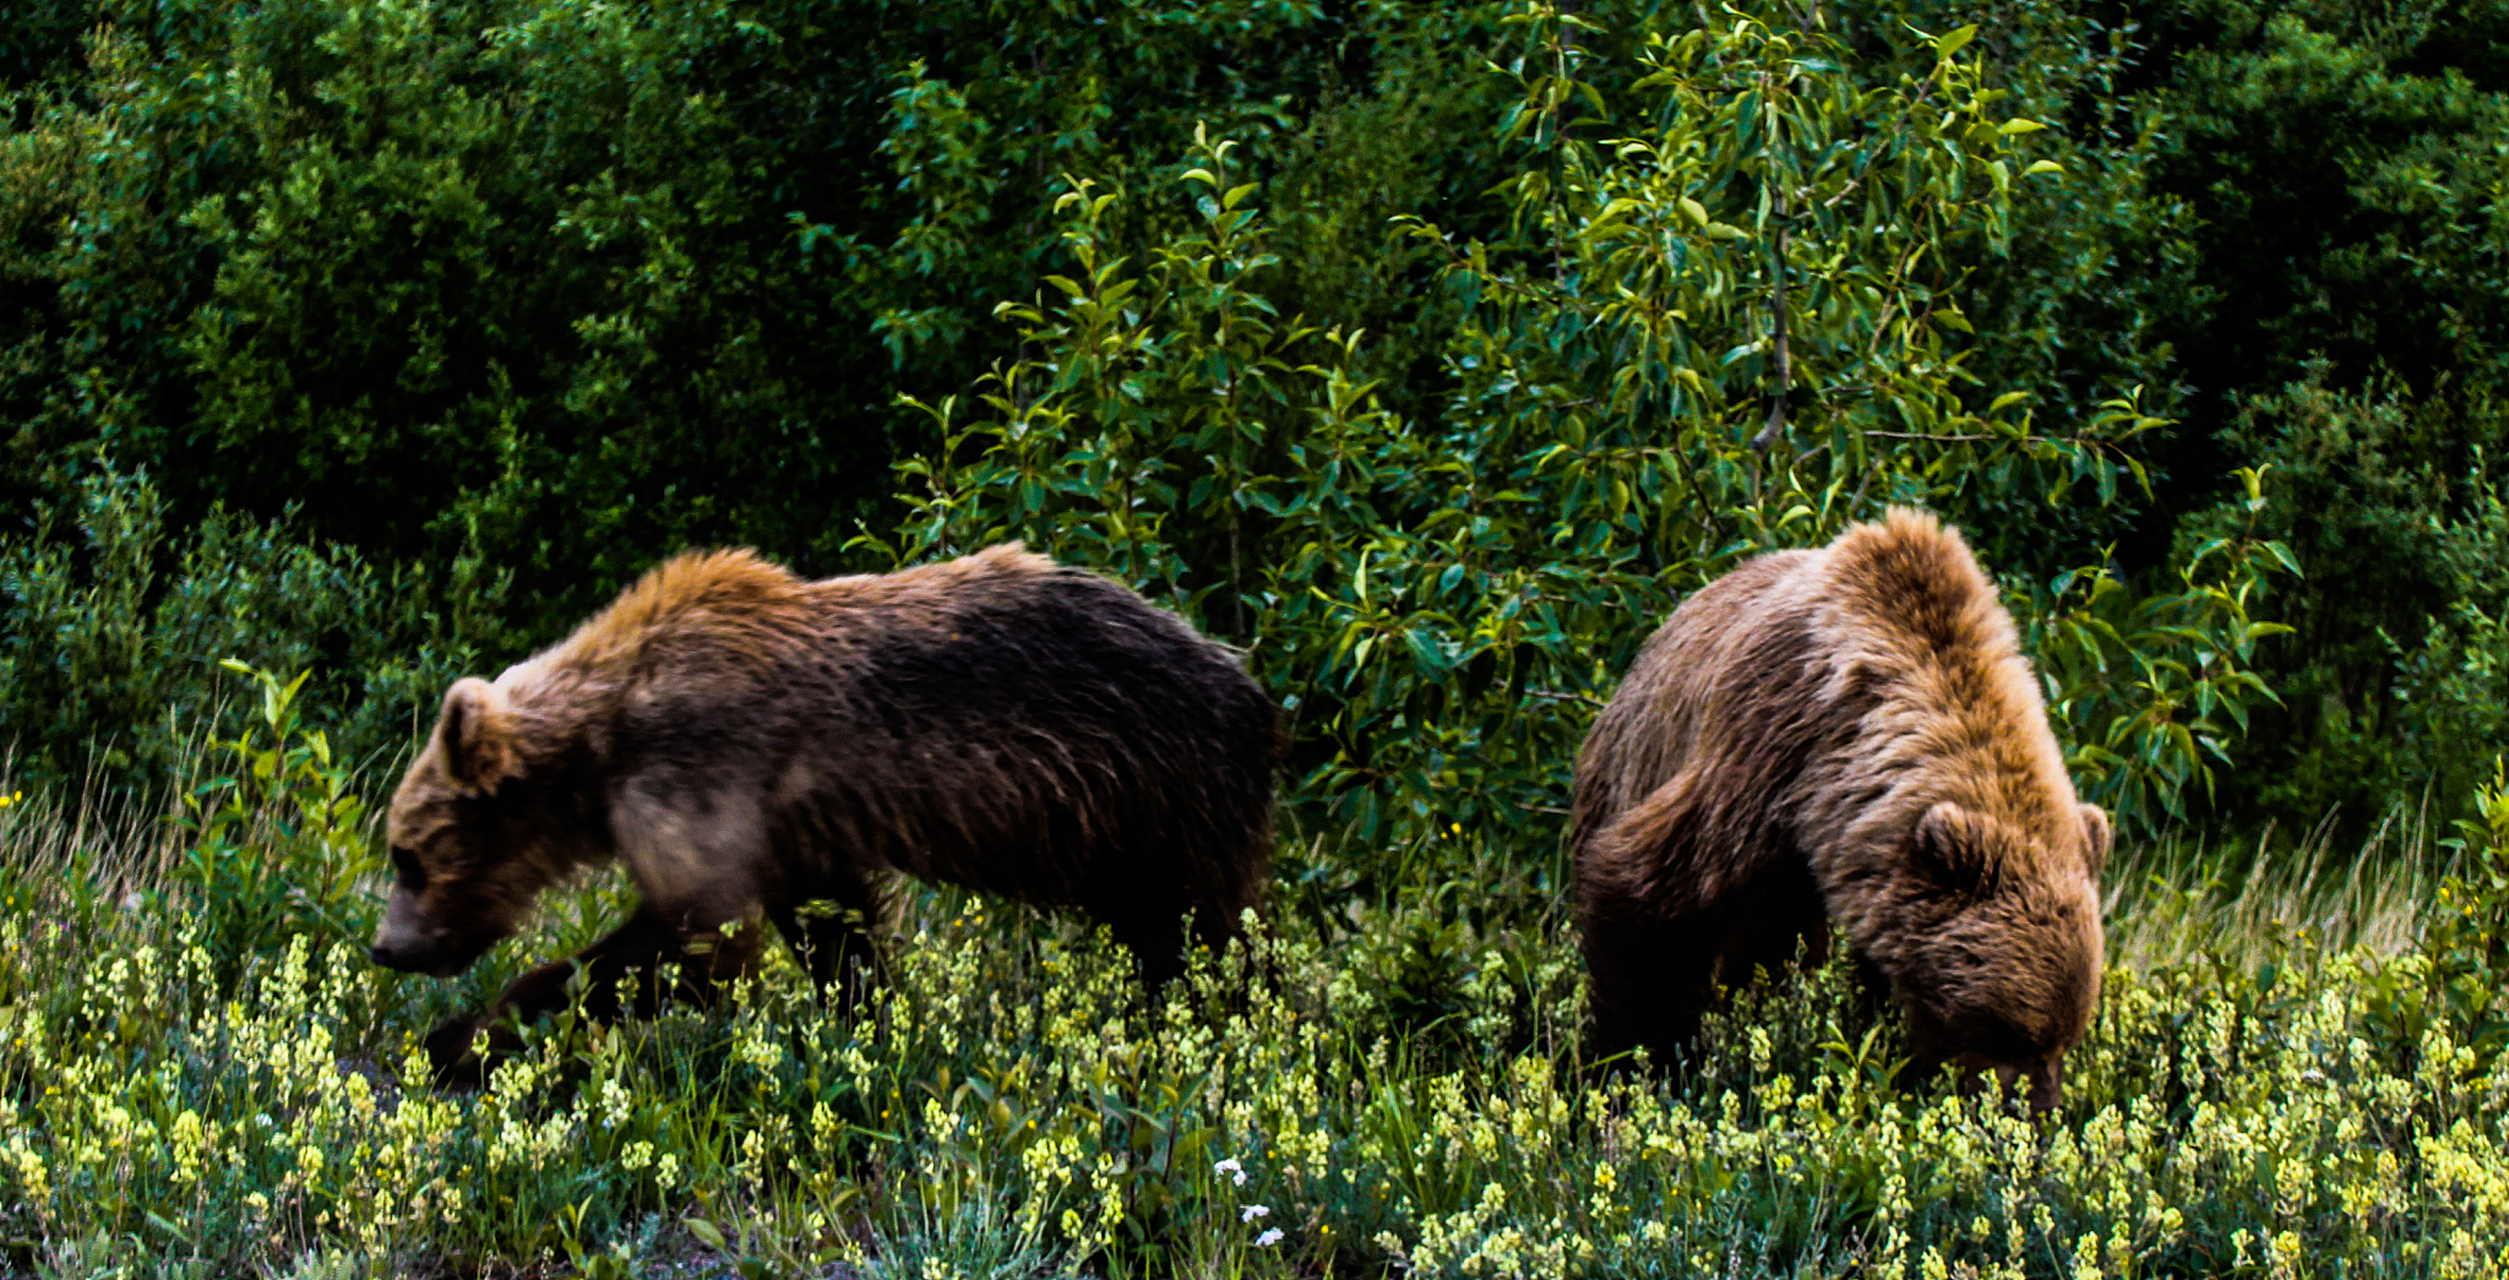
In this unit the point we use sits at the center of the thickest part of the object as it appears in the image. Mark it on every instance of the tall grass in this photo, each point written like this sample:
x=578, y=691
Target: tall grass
x=2185, y=896
x=1400, y=1091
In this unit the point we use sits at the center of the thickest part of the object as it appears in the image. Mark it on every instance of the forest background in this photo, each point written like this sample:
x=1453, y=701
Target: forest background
x=1430, y=354
x=386, y=341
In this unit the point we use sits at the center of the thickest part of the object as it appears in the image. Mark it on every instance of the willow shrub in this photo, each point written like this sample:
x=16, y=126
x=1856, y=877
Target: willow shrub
x=1728, y=320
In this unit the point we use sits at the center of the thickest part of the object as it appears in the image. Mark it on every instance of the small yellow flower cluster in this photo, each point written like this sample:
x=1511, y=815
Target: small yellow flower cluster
x=145, y=1107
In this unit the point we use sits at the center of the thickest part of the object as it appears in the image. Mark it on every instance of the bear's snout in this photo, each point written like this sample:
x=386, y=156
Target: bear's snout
x=2039, y=1084
x=412, y=943
x=436, y=958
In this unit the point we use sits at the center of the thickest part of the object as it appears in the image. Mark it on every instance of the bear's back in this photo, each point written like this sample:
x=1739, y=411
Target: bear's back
x=1711, y=660
x=925, y=720
x=1922, y=653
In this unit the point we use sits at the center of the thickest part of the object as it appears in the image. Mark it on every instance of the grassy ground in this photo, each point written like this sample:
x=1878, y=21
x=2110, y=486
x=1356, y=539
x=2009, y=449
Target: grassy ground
x=200, y=1075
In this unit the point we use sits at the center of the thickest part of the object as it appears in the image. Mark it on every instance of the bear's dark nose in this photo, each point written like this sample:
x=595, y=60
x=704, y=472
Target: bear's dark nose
x=386, y=956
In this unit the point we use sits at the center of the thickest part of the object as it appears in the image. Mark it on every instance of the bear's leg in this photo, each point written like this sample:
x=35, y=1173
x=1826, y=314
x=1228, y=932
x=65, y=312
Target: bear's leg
x=638, y=951
x=831, y=931
x=1652, y=977
x=1157, y=947
x=1148, y=918
x=1778, y=922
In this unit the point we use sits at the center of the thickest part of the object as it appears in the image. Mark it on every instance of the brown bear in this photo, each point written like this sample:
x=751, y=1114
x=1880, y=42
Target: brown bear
x=754, y=745
x=1848, y=734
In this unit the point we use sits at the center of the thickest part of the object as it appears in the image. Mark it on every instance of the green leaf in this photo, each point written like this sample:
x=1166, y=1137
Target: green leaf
x=1425, y=651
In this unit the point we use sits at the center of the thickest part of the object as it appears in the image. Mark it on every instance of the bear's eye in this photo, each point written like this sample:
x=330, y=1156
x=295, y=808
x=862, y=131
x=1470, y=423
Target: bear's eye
x=405, y=864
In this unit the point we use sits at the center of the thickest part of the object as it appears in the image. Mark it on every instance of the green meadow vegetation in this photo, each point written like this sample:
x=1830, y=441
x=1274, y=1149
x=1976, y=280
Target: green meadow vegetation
x=1427, y=353
x=206, y=1078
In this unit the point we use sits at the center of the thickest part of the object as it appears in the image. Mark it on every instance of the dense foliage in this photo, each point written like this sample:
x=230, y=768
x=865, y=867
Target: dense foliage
x=465, y=312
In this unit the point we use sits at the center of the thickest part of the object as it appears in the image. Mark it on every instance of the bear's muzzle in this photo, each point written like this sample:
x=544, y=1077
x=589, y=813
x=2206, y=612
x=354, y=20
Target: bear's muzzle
x=412, y=943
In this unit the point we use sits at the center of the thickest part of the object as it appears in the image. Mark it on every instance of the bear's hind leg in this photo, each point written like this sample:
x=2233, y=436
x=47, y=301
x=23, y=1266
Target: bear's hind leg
x=831, y=931
x=1779, y=924
x=1149, y=924
x=1652, y=976
x=1158, y=947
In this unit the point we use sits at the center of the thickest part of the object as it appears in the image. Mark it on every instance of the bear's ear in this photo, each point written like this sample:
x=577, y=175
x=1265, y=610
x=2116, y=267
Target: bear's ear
x=476, y=734
x=2096, y=838
x=1951, y=849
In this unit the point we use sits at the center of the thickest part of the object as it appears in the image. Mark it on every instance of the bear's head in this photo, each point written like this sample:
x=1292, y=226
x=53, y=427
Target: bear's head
x=475, y=833
x=2000, y=969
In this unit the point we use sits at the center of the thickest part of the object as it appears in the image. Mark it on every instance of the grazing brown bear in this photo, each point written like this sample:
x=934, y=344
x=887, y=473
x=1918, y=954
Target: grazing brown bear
x=752, y=744
x=1847, y=734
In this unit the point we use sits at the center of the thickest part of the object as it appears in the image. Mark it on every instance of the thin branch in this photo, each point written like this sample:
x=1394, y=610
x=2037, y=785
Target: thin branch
x=2079, y=442
x=1554, y=696
x=1690, y=475
x=1776, y=427
x=1856, y=503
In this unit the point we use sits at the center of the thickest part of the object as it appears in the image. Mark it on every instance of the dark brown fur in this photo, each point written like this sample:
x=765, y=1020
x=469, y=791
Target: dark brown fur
x=750, y=743
x=1848, y=734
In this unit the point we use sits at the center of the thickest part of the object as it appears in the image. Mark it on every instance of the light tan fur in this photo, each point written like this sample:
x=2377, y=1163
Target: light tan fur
x=1849, y=733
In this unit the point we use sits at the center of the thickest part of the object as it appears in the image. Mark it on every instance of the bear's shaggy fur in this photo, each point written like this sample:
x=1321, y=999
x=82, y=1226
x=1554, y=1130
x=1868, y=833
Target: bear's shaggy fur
x=1848, y=734
x=753, y=745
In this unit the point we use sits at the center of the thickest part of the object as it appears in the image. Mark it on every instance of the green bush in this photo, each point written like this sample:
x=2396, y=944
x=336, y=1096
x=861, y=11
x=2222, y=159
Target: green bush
x=562, y=288
x=1438, y=603
x=276, y=844
x=588, y=283
x=2385, y=687
x=2339, y=231
x=112, y=625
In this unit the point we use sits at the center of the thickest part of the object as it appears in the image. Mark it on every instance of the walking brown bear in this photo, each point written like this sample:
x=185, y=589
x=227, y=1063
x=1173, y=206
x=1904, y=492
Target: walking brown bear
x=1847, y=734
x=751, y=743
